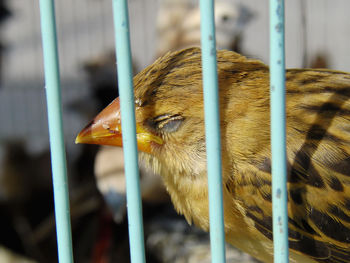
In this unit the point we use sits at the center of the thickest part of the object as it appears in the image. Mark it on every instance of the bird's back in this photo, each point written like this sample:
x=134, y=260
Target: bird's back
x=318, y=150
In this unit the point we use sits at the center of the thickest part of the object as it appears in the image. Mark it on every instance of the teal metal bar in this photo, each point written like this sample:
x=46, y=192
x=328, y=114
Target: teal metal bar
x=54, y=109
x=278, y=132
x=212, y=131
x=126, y=92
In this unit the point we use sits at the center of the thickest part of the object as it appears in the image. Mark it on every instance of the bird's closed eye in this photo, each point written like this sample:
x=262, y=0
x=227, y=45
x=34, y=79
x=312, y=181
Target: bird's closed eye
x=166, y=122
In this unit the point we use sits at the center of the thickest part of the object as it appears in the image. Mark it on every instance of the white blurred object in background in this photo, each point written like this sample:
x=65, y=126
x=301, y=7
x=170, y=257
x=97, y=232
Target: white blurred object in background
x=110, y=178
x=178, y=24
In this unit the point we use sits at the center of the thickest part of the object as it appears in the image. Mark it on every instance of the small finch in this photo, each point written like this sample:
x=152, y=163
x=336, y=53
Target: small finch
x=171, y=139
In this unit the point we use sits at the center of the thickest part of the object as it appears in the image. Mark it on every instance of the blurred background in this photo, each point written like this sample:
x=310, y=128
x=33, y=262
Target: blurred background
x=317, y=35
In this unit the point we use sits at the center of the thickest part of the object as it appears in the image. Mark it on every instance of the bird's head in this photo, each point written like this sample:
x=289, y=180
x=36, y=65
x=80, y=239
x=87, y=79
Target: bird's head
x=168, y=110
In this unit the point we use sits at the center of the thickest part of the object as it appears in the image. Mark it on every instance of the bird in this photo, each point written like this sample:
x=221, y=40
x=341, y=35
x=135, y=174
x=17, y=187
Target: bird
x=171, y=139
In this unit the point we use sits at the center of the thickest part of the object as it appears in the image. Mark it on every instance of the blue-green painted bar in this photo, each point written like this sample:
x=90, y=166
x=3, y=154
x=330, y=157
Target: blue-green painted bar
x=278, y=132
x=212, y=131
x=54, y=109
x=126, y=93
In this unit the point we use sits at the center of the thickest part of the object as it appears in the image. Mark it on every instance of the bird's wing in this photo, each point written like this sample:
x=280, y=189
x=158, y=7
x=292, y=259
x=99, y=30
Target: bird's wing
x=318, y=229
x=318, y=172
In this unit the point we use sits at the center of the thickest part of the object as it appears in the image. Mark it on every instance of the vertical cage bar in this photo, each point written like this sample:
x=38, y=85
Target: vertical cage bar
x=54, y=109
x=212, y=130
x=126, y=92
x=278, y=132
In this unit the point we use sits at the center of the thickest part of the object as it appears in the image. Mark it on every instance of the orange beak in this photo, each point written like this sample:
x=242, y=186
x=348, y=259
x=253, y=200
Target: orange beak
x=105, y=129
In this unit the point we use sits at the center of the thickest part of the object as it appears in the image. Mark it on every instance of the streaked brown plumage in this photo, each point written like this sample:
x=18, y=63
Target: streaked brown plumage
x=170, y=127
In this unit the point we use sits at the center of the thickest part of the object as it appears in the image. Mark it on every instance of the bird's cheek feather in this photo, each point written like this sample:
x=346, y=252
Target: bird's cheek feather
x=105, y=129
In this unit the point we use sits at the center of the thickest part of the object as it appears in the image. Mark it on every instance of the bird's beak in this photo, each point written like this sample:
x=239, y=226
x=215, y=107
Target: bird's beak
x=105, y=129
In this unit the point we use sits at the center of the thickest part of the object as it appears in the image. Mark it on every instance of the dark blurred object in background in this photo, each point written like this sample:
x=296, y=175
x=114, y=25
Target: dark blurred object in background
x=4, y=14
x=320, y=60
x=26, y=199
x=4, y=10
x=101, y=76
x=27, y=222
x=23, y=175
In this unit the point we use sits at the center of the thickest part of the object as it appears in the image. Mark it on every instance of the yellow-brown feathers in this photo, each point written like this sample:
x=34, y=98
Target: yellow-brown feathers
x=169, y=106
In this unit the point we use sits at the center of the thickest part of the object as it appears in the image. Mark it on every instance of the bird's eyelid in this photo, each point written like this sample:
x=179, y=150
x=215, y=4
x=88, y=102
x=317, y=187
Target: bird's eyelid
x=171, y=125
x=167, y=122
x=163, y=117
